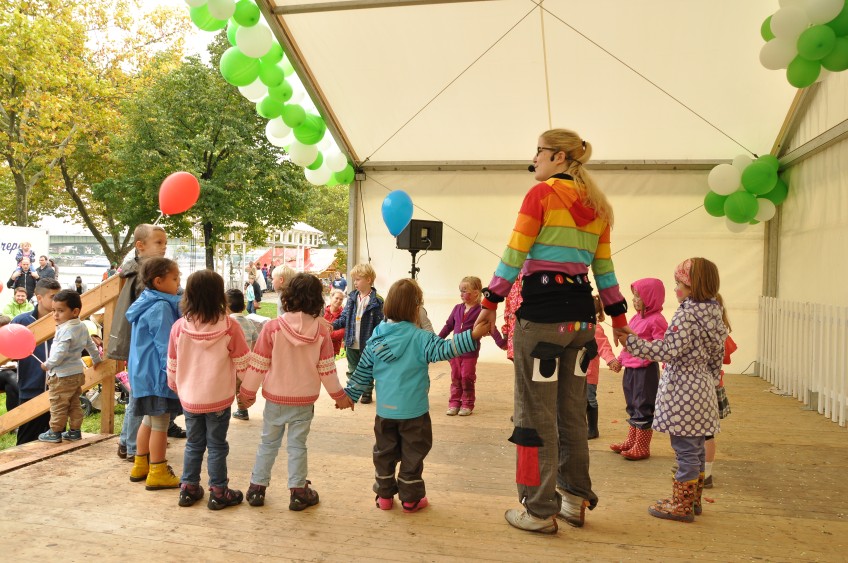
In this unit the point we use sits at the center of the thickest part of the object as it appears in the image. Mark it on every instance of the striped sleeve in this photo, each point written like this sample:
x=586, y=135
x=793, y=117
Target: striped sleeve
x=608, y=289
x=438, y=350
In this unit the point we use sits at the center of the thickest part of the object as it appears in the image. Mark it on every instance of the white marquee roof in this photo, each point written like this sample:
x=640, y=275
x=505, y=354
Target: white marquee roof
x=419, y=82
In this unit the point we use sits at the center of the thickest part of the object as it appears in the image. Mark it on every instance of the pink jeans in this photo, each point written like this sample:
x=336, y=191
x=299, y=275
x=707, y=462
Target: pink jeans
x=463, y=377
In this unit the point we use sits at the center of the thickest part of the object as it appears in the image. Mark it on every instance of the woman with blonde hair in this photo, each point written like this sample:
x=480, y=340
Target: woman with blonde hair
x=562, y=230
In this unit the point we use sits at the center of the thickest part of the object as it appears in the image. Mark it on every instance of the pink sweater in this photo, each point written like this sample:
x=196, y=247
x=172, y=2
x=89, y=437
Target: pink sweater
x=292, y=359
x=204, y=361
x=648, y=324
x=604, y=351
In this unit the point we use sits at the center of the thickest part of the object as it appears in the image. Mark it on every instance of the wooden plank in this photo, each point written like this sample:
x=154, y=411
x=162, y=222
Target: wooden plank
x=107, y=398
x=33, y=452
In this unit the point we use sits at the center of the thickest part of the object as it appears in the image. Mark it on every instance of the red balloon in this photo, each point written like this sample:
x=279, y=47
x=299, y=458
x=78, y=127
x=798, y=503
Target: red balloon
x=16, y=341
x=178, y=193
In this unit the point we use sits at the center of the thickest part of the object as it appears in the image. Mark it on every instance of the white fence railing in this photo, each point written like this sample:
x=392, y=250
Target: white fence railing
x=803, y=350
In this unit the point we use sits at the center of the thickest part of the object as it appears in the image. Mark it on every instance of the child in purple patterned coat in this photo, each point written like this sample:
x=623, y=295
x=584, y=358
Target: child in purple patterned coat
x=686, y=406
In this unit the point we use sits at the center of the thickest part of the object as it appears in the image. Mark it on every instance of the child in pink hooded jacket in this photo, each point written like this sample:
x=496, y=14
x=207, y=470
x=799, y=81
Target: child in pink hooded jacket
x=641, y=377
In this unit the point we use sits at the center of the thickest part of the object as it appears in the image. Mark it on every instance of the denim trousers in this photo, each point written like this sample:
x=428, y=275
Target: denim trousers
x=592, y=394
x=691, y=456
x=551, y=431
x=353, y=356
x=129, y=428
x=206, y=431
x=277, y=419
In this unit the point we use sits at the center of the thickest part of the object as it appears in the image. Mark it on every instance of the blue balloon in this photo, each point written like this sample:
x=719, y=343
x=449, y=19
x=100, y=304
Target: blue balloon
x=397, y=211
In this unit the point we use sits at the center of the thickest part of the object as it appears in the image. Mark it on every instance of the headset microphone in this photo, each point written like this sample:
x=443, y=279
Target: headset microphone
x=531, y=168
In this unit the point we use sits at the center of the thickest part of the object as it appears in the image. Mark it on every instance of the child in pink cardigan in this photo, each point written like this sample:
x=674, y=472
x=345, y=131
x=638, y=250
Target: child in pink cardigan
x=604, y=351
x=292, y=359
x=206, y=353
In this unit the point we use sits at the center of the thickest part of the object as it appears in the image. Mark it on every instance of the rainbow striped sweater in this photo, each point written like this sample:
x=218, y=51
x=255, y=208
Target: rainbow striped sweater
x=555, y=233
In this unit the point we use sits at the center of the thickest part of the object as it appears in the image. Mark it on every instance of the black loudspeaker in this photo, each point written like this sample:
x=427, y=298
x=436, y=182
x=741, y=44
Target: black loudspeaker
x=421, y=235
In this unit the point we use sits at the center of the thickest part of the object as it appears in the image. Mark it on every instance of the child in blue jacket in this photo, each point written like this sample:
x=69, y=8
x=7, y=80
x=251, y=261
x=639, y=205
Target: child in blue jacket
x=395, y=361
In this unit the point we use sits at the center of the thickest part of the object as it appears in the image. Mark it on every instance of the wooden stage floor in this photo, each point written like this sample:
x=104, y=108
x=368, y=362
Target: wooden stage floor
x=780, y=494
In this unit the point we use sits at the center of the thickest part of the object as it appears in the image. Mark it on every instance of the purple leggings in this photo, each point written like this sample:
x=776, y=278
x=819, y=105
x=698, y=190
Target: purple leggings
x=463, y=377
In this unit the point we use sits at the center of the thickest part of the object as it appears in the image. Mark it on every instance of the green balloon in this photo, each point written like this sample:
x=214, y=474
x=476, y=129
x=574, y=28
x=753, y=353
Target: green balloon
x=347, y=175
x=802, y=72
x=333, y=181
x=293, y=115
x=274, y=54
x=204, y=20
x=753, y=222
x=237, y=68
x=270, y=75
x=269, y=107
x=816, y=42
x=288, y=69
x=771, y=160
x=837, y=60
x=311, y=130
x=765, y=30
x=714, y=204
x=741, y=207
x=283, y=92
x=316, y=164
x=779, y=193
x=839, y=24
x=759, y=177
x=232, y=27
x=247, y=13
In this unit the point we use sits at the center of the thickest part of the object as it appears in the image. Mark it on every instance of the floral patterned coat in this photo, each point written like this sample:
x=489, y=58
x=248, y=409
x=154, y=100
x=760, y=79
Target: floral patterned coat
x=692, y=349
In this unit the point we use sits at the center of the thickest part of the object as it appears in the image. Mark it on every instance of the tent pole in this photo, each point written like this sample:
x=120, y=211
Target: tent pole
x=359, y=5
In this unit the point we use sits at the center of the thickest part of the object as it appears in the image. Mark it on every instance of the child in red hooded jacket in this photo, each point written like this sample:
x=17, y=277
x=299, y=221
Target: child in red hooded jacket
x=641, y=377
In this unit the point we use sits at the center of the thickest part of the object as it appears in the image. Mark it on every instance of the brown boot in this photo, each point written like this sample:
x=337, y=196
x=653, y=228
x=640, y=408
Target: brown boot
x=679, y=507
x=642, y=448
x=627, y=443
x=696, y=506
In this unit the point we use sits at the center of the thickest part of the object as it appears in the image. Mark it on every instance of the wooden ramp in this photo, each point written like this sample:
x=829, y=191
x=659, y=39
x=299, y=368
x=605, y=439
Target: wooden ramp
x=780, y=494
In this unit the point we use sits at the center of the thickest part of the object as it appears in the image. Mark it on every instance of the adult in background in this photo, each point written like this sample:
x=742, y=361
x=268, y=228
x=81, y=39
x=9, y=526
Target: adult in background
x=563, y=229
x=55, y=268
x=340, y=282
x=78, y=286
x=113, y=269
x=332, y=312
x=44, y=270
x=24, y=277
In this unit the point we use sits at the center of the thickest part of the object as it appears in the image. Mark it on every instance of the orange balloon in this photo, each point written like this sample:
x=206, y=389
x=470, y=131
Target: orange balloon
x=178, y=193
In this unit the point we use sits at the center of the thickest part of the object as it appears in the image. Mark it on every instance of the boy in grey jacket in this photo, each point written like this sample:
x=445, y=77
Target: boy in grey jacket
x=64, y=368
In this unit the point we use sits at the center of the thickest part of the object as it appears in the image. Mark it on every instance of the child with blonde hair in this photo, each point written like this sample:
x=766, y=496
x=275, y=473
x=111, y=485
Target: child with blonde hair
x=687, y=407
x=396, y=360
x=464, y=366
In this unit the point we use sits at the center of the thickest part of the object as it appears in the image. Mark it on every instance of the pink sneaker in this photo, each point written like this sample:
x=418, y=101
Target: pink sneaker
x=385, y=503
x=411, y=507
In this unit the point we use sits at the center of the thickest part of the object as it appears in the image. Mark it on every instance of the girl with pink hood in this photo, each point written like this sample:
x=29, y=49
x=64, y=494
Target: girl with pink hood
x=641, y=377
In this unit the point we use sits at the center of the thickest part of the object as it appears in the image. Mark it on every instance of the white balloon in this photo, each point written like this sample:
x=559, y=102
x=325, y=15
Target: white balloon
x=789, y=22
x=326, y=141
x=766, y=210
x=318, y=177
x=254, y=41
x=302, y=155
x=822, y=11
x=724, y=179
x=741, y=162
x=784, y=3
x=281, y=142
x=335, y=160
x=277, y=128
x=222, y=9
x=195, y=3
x=254, y=91
x=778, y=53
x=735, y=227
x=297, y=97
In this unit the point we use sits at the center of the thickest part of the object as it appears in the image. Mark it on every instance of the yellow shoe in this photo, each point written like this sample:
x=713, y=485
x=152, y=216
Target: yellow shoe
x=140, y=468
x=161, y=476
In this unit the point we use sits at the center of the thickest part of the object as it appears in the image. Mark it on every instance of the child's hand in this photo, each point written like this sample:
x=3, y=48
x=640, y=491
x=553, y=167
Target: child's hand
x=344, y=403
x=481, y=329
x=620, y=334
x=615, y=366
x=245, y=401
x=43, y=367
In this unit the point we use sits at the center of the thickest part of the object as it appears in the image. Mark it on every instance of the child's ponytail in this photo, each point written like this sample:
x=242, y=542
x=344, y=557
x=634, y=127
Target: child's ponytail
x=724, y=316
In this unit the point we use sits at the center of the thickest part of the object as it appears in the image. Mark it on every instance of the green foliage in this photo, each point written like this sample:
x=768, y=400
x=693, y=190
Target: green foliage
x=327, y=212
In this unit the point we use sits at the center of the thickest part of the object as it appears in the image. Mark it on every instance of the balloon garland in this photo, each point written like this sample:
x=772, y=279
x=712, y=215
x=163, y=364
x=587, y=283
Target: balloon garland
x=809, y=38
x=257, y=64
x=745, y=192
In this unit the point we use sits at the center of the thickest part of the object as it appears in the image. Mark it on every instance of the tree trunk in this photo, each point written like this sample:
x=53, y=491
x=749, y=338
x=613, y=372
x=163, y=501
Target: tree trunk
x=21, y=209
x=207, y=243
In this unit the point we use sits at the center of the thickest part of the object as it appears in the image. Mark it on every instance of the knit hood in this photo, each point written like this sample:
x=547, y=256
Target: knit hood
x=147, y=299
x=652, y=293
x=300, y=329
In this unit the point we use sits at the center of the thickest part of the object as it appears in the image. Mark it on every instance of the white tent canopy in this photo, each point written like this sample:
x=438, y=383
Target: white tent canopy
x=446, y=99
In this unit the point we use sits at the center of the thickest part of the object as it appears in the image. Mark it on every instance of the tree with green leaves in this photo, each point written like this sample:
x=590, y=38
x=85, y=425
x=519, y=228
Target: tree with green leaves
x=191, y=120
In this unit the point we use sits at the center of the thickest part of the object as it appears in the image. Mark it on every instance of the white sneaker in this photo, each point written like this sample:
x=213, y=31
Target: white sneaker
x=464, y=412
x=452, y=411
x=523, y=520
x=573, y=509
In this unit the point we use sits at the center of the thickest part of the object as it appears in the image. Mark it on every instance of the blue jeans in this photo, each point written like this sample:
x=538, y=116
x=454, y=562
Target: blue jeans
x=276, y=418
x=690, y=456
x=129, y=428
x=206, y=431
x=592, y=395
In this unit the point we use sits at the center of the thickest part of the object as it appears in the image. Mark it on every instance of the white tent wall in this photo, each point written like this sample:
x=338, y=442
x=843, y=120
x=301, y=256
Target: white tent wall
x=479, y=209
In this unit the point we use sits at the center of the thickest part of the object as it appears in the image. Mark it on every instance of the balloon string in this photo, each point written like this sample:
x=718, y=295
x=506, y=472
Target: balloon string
x=156, y=222
x=40, y=361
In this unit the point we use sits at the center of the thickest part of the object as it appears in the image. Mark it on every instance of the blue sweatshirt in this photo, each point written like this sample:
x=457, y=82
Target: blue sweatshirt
x=396, y=359
x=151, y=316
